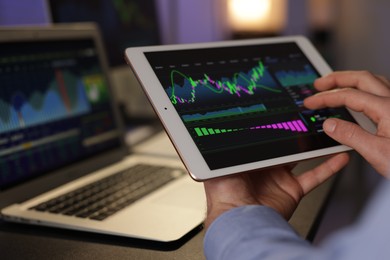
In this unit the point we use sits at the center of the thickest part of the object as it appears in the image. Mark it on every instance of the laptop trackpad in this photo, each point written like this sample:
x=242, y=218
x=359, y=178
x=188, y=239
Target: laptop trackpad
x=190, y=195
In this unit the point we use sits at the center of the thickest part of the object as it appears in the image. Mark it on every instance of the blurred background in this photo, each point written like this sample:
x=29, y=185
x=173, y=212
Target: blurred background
x=350, y=34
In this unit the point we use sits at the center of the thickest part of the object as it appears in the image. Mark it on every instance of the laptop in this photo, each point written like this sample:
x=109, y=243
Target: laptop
x=64, y=161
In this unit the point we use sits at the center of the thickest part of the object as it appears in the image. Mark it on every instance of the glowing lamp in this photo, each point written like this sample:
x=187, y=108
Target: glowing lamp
x=257, y=17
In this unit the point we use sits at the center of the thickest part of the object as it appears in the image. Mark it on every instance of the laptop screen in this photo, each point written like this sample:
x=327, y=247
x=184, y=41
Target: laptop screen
x=54, y=107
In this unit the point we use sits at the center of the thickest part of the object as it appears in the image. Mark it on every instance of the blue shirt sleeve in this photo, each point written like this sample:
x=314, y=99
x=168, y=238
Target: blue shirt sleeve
x=259, y=232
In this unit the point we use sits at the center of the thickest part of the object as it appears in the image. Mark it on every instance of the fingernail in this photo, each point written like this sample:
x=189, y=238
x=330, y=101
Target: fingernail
x=329, y=125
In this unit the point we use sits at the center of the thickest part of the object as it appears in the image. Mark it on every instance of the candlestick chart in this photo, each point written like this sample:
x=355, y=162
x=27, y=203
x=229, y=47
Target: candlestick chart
x=246, y=105
x=257, y=91
x=185, y=89
x=213, y=96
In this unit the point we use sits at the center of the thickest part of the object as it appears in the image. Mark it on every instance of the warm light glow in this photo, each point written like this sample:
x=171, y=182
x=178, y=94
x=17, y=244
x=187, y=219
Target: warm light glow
x=250, y=10
x=257, y=15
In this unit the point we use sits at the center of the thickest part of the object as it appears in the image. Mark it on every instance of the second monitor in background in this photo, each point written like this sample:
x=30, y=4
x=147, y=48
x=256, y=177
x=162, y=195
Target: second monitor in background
x=123, y=23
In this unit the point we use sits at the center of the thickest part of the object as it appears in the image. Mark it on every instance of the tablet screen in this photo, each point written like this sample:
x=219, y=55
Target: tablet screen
x=244, y=104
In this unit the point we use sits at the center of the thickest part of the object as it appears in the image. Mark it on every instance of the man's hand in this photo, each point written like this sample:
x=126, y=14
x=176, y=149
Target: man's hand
x=277, y=188
x=361, y=92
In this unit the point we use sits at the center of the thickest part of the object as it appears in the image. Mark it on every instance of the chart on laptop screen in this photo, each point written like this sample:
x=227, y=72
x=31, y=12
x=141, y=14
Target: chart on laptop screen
x=242, y=104
x=54, y=107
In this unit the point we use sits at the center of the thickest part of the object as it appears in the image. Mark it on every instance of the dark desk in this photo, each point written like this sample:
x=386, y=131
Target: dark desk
x=19, y=241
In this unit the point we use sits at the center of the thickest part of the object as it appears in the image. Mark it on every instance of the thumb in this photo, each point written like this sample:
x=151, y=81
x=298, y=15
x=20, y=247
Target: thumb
x=346, y=133
x=352, y=135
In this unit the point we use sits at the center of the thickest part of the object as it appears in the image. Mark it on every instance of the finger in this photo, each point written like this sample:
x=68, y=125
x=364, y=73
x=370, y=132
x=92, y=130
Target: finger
x=311, y=179
x=362, y=80
x=371, y=105
x=384, y=80
x=373, y=148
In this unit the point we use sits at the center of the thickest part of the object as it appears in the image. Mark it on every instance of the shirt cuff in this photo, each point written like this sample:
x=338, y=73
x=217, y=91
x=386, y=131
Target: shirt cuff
x=248, y=230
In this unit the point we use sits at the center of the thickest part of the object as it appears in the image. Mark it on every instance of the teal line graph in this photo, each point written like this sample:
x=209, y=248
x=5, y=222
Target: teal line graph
x=225, y=113
x=295, y=77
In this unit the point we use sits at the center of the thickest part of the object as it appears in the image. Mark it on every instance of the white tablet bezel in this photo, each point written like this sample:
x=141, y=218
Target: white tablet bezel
x=178, y=133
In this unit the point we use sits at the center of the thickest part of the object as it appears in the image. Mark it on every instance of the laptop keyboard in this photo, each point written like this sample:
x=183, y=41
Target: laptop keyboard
x=107, y=196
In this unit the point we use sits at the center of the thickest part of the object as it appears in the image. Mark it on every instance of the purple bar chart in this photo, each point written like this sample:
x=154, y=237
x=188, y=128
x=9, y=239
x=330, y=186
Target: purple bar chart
x=294, y=126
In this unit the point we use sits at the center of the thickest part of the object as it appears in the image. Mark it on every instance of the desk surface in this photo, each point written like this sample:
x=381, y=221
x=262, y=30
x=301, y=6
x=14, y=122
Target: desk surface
x=30, y=242
x=20, y=241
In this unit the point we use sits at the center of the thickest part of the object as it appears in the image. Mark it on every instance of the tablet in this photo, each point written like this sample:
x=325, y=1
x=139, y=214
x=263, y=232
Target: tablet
x=236, y=106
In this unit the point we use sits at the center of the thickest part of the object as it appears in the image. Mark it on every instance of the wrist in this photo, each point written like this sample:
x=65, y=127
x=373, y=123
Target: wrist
x=213, y=212
x=223, y=196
